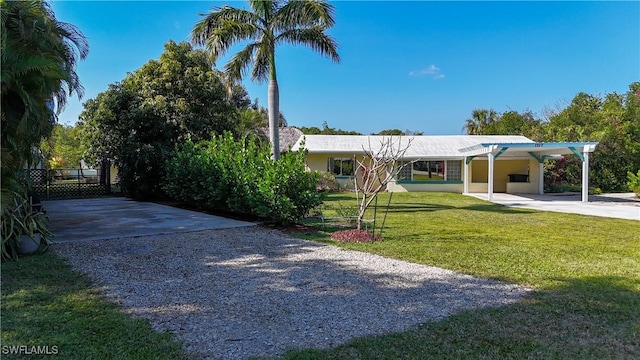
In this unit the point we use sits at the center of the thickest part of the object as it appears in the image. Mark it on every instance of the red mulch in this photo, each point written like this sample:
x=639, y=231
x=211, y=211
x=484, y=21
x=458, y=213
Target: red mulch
x=354, y=236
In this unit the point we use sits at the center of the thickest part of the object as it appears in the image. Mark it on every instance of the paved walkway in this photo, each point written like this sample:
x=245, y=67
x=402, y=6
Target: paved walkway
x=621, y=206
x=108, y=218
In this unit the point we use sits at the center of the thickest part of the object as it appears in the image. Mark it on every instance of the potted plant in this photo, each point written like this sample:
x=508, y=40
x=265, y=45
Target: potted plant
x=25, y=229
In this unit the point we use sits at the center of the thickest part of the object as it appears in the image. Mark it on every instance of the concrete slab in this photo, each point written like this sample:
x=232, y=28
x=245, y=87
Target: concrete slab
x=621, y=206
x=107, y=218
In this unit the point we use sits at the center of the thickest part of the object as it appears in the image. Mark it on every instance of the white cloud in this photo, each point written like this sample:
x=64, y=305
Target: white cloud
x=432, y=70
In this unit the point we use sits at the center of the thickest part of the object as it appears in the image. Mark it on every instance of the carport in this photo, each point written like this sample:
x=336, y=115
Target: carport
x=540, y=151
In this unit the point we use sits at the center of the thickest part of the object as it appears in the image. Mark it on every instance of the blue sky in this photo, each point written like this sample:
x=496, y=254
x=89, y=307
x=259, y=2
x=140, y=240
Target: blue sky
x=416, y=65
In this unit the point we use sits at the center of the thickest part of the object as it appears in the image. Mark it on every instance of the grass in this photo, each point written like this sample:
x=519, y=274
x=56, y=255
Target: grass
x=585, y=272
x=45, y=304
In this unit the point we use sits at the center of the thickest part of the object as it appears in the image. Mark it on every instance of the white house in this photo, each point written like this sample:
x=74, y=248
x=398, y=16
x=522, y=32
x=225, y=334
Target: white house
x=450, y=163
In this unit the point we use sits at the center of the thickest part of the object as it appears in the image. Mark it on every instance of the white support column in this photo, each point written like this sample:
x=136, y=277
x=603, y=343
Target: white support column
x=585, y=177
x=490, y=184
x=541, y=178
x=466, y=176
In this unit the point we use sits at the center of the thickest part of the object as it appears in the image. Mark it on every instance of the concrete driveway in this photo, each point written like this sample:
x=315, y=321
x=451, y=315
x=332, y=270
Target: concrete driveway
x=620, y=206
x=108, y=218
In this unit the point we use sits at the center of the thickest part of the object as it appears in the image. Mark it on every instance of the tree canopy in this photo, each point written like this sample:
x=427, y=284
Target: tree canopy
x=65, y=147
x=136, y=123
x=326, y=130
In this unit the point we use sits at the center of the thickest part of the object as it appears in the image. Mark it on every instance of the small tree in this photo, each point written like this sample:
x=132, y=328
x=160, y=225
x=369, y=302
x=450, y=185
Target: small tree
x=376, y=169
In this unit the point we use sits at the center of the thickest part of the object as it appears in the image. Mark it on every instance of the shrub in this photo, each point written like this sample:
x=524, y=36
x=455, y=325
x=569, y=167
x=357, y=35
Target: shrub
x=240, y=177
x=634, y=182
x=348, y=185
x=327, y=182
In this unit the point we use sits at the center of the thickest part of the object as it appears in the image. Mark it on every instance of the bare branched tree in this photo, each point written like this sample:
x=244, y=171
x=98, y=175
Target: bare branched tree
x=376, y=169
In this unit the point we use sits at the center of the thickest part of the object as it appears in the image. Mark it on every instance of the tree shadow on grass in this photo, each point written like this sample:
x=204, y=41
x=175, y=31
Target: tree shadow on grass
x=594, y=317
x=497, y=208
x=412, y=208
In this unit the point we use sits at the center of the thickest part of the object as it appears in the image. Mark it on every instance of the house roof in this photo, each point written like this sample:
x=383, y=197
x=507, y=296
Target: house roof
x=430, y=146
x=288, y=136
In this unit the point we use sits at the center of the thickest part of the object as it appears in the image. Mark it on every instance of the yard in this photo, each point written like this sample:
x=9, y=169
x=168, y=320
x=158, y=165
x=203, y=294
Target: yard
x=585, y=271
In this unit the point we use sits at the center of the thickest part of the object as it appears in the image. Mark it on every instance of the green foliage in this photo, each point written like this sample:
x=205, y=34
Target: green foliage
x=479, y=121
x=21, y=218
x=137, y=123
x=327, y=181
x=515, y=123
x=326, y=130
x=39, y=55
x=400, y=132
x=65, y=147
x=239, y=177
x=634, y=182
x=613, y=121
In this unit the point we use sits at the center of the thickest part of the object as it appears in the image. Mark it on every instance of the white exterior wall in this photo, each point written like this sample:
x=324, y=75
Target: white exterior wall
x=422, y=187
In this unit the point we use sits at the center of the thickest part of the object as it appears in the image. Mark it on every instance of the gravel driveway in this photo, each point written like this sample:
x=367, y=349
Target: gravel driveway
x=234, y=293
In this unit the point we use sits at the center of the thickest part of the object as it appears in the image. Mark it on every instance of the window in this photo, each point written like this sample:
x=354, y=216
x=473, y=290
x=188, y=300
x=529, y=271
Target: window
x=404, y=172
x=454, y=170
x=428, y=170
x=341, y=166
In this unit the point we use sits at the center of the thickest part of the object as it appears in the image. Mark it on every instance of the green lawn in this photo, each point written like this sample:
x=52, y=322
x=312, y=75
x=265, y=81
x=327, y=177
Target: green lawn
x=585, y=271
x=45, y=304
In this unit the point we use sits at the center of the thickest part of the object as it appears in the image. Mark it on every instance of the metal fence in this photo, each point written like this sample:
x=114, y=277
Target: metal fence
x=70, y=183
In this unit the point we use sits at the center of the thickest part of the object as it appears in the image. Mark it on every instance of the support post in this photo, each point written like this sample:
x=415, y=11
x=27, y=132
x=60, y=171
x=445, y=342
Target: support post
x=585, y=176
x=466, y=176
x=541, y=178
x=490, y=184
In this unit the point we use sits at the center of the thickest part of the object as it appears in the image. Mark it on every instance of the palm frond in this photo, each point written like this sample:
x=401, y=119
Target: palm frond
x=304, y=14
x=266, y=10
x=236, y=68
x=314, y=38
x=223, y=27
x=262, y=64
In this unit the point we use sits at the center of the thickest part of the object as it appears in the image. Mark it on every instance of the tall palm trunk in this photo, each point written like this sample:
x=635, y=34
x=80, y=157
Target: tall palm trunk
x=273, y=102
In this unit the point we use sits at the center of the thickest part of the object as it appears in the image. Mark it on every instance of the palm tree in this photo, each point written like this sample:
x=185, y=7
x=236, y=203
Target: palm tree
x=265, y=25
x=39, y=55
x=249, y=122
x=479, y=120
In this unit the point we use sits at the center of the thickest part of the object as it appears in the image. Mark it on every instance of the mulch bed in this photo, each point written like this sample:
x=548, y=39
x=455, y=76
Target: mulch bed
x=354, y=235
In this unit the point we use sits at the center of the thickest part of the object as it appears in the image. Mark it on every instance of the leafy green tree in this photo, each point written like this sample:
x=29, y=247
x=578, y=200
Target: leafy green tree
x=613, y=121
x=39, y=56
x=400, y=132
x=137, y=123
x=515, y=123
x=390, y=132
x=65, y=147
x=326, y=130
x=480, y=119
x=266, y=25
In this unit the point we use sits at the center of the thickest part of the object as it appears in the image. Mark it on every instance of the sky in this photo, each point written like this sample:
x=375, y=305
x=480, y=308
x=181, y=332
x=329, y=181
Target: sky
x=415, y=65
